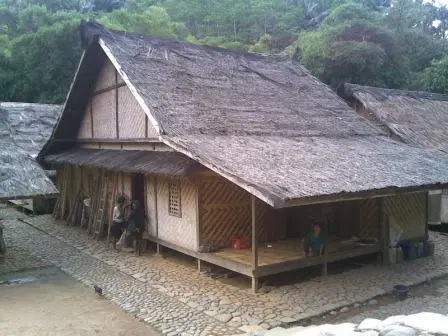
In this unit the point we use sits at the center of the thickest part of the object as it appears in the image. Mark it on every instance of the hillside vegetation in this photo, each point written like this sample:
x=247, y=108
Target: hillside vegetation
x=396, y=44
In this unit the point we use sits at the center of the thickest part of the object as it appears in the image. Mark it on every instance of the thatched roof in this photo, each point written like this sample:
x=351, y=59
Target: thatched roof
x=24, y=128
x=27, y=126
x=130, y=161
x=417, y=118
x=261, y=121
x=20, y=175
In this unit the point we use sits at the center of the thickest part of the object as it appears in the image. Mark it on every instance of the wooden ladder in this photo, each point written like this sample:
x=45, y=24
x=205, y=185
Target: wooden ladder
x=100, y=210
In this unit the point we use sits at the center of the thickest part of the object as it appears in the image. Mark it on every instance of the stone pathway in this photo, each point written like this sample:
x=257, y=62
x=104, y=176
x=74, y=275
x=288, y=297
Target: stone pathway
x=167, y=293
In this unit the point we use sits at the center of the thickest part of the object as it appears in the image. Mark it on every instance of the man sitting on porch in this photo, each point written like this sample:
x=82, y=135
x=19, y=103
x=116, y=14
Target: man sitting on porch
x=314, y=243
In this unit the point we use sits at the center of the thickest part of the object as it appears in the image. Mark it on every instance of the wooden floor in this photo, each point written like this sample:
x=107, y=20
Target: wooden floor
x=281, y=251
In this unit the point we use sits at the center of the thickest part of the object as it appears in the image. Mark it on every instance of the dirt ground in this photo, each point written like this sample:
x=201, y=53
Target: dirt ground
x=48, y=302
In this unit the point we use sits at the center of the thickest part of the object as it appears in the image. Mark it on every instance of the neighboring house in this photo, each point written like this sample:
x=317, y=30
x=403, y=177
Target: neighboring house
x=24, y=129
x=229, y=150
x=419, y=119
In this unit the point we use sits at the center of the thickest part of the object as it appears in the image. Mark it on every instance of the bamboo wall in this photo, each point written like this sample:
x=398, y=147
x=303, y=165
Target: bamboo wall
x=178, y=230
x=225, y=213
x=406, y=213
x=76, y=184
x=151, y=204
x=100, y=116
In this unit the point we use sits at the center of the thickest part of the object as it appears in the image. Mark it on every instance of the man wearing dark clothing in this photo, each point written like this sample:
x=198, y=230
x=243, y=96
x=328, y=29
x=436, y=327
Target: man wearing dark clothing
x=136, y=225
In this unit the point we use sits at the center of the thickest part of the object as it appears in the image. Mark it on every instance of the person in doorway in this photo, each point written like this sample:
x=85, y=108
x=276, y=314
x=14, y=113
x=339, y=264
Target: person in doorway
x=315, y=243
x=136, y=225
x=117, y=227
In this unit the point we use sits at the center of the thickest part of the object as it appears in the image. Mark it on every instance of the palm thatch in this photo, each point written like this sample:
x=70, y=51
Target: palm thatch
x=418, y=118
x=24, y=128
x=261, y=121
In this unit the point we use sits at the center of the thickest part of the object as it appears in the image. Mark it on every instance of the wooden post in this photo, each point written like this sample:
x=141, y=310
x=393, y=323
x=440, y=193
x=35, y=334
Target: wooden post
x=199, y=265
x=427, y=215
x=198, y=226
x=159, y=249
x=156, y=215
x=384, y=225
x=254, y=244
x=117, y=129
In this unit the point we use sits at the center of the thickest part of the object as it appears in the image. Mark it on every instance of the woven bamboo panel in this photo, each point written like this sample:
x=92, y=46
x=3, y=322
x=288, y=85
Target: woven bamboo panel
x=225, y=212
x=127, y=185
x=103, y=110
x=178, y=230
x=85, y=129
x=106, y=77
x=131, y=117
x=407, y=213
x=150, y=181
x=369, y=219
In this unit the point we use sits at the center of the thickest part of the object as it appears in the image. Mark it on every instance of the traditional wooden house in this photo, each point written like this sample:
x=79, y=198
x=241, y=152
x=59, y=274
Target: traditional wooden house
x=228, y=149
x=24, y=129
x=419, y=119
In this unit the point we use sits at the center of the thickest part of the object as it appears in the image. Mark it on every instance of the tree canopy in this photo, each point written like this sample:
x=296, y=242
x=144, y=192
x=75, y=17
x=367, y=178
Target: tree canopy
x=389, y=43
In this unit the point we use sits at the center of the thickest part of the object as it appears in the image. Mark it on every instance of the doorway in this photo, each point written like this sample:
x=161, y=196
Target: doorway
x=138, y=188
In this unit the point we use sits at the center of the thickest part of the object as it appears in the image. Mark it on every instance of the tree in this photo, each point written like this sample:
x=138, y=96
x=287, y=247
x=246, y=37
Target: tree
x=153, y=21
x=436, y=76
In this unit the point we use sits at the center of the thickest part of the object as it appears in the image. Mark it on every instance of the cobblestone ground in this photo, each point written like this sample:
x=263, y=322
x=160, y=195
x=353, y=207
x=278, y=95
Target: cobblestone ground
x=17, y=258
x=432, y=297
x=172, y=296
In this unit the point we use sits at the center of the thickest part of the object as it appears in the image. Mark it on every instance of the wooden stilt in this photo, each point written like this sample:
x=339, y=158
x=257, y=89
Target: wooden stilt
x=199, y=265
x=255, y=284
x=254, y=245
x=384, y=225
x=159, y=249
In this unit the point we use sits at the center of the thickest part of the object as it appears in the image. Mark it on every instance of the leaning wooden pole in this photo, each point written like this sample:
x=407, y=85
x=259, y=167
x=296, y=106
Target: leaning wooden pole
x=254, y=246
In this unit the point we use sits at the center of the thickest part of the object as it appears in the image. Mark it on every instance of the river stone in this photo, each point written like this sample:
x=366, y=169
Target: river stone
x=397, y=330
x=223, y=317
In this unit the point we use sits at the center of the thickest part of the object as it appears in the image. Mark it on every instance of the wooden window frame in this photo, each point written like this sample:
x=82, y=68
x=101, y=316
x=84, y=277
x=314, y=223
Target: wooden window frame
x=174, y=196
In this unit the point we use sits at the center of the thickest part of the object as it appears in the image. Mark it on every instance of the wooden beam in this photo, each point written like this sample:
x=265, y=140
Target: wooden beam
x=254, y=235
x=427, y=216
x=115, y=86
x=131, y=86
x=122, y=140
x=384, y=226
x=117, y=130
x=198, y=224
x=146, y=126
x=353, y=196
x=156, y=207
x=290, y=265
x=91, y=117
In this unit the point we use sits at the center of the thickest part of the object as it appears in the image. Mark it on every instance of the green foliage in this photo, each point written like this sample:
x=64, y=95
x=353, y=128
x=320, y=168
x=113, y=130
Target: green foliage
x=361, y=41
x=436, y=76
x=264, y=44
x=154, y=21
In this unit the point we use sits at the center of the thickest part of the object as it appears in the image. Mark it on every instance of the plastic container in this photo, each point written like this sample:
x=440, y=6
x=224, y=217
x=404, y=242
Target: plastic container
x=428, y=248
x=240, y=244
x=419, y=249
x=409, y=250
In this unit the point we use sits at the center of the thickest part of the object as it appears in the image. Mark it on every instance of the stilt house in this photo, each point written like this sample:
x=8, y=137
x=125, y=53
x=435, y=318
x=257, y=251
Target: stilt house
x=230, y=150
x=24, y=129
x=419, y=119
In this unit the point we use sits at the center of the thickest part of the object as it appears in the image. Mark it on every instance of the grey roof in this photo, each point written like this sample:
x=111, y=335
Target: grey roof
x=24, y=128
x=131, y=161
x=261, y=121
x=418, y=118
x=27, y=125
x=20, y=175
